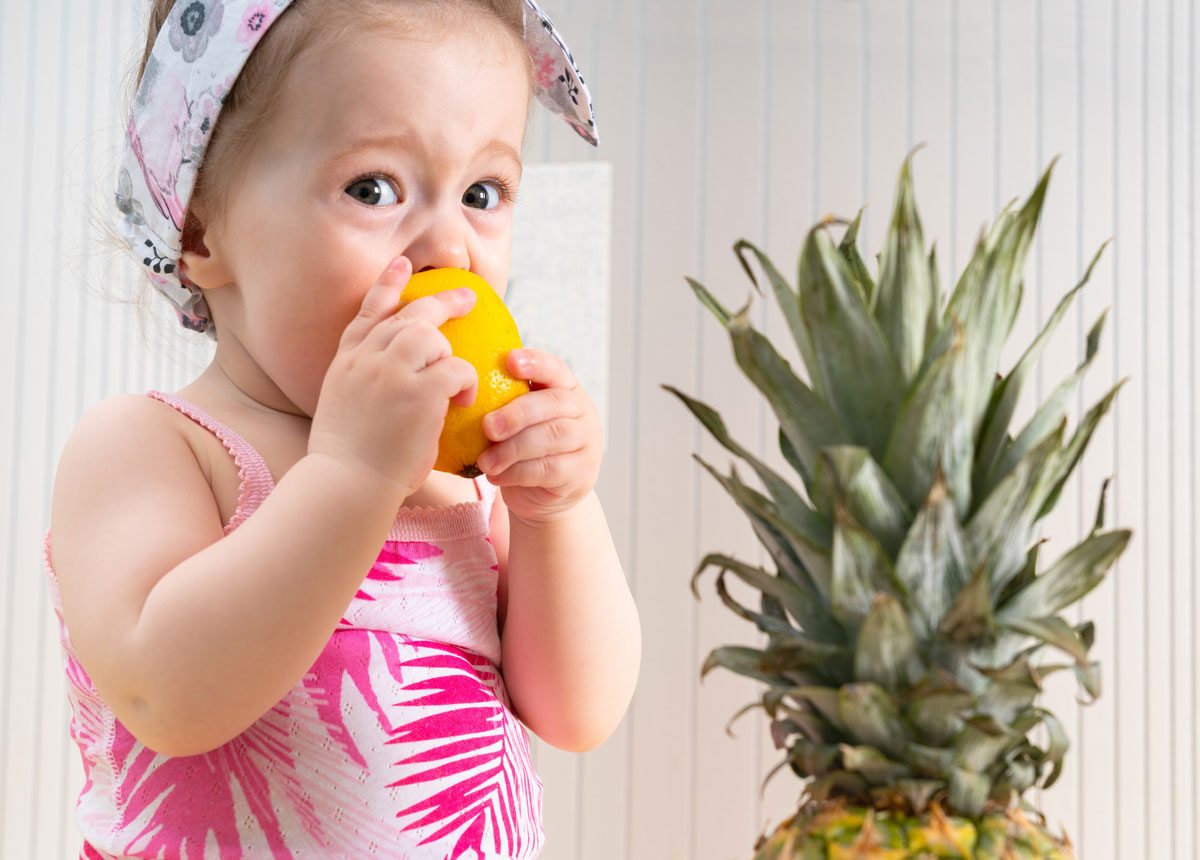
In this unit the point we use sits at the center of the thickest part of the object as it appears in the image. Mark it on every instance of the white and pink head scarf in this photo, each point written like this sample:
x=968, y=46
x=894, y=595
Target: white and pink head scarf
x=196, y=58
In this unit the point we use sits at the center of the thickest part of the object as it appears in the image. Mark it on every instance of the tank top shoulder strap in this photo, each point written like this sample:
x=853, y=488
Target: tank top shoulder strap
x=487, y=495
x=254, y=478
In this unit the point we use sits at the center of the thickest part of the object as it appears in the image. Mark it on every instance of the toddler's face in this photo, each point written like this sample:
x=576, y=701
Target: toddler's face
x=384, y=144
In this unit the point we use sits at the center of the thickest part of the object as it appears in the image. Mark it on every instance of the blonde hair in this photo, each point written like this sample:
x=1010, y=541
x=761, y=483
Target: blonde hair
x=256, y=94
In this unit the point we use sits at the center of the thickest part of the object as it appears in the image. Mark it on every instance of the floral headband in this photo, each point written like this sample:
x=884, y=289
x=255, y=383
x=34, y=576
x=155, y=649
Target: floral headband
x=197, y=57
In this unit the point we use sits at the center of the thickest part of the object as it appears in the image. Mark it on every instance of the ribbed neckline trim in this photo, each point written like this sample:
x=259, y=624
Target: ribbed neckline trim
x=463, y=520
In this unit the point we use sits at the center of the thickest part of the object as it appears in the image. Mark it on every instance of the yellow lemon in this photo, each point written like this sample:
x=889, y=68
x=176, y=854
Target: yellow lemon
x=483, y=337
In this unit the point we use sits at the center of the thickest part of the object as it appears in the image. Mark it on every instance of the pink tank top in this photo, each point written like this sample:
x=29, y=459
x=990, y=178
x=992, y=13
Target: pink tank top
x=399, y=742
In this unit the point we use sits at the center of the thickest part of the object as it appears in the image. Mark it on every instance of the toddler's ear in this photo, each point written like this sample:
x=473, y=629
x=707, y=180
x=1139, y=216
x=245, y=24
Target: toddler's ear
x=198, y=263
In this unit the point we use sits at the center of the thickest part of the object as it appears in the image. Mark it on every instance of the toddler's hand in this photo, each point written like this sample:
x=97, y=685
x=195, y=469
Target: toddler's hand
x=384, y=398
x=548, y=442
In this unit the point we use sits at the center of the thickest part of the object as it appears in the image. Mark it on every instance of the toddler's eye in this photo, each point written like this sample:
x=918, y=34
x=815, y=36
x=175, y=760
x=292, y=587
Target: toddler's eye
x=482, y=195
x=373, y=191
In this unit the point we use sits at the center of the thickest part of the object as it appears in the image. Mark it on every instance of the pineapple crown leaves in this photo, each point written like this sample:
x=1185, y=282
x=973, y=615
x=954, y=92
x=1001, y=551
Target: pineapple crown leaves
x=905, y=609
x=907, y=290
x=855, y=369
x=1007, y=392
x=804, y=418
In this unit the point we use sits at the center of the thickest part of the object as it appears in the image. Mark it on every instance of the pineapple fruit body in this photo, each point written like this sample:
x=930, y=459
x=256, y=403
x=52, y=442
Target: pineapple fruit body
x=908, y=610
x=863, y=833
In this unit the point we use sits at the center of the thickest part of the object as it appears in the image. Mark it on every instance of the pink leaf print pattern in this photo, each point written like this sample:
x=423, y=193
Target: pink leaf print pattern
x=413, y=551
x=399, y=743
x=349, y=653
x=268, y=790
x=474, y=750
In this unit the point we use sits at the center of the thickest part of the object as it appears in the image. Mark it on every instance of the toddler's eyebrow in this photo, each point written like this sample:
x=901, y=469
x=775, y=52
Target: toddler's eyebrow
x=404, y=141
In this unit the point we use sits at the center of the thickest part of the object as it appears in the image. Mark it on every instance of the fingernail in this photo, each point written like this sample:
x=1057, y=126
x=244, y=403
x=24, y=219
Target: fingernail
x=486, y=460
x=393, y=273
x=497, y=423
x=398, y=263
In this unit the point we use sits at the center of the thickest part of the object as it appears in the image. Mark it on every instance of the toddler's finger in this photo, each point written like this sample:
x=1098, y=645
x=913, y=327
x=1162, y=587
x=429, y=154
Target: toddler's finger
x=380, y=301
x=439, y=307
x=457, y=375
x=560, y=436
x=467, y=396
x=540, y=367
x=536, y=407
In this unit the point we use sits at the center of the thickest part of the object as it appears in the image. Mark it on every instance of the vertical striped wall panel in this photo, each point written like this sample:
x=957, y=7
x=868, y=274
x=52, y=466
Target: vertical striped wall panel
x=721, y=120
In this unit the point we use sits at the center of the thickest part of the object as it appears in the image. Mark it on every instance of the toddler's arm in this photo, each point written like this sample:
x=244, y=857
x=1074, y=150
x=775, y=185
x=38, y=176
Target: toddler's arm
x=190, y=636
x=571, y=637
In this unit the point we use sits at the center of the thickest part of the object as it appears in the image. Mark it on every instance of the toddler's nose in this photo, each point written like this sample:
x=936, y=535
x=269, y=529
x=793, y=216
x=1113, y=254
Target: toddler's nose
x=441, y=243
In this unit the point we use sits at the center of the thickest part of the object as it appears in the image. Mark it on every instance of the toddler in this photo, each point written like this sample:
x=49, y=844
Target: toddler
x=283, y=633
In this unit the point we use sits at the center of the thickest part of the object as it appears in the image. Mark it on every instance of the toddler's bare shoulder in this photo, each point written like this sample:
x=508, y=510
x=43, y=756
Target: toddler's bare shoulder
x=125, y=436
x=128, y=420
x=129, y=479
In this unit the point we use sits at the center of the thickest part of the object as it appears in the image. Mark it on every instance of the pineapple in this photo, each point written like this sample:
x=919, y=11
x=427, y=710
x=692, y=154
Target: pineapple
x=906, y=615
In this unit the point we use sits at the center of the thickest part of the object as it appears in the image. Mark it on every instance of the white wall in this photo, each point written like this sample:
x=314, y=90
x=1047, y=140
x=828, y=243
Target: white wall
x=721, y=119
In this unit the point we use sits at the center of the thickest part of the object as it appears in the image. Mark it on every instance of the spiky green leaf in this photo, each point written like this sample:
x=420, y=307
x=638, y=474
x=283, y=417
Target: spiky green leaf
x=766, y=623
x=933, y=563
x=785, y=296
x=741, y=660
x=1064, y=464
x=1007, y=392
x=970, y=617
x=870, y=715
x=803, y=417
x=824, y=700
x=797, y=652
x=886, y=652
x=968, y=791
x=934, y=321
x=903, y=298
x=919, y=792
x=982, y=741
x=937, y=717
x=791, y=505
x=872, y=765
x=789, y=453
x=1099, y=521
x=1048, y=416
x=1027, y=574
x=929, y=761
x=1057, y=744
x=781, y=538
x=709, y=301
x=855, y=371
x=1054, y=631
x=988, y=296
x=847, y=474
x=933, y=431
x=849, y=251
x=806, y=419
x=1001, y=529
x=1066, y=582
x=861, y=568
x=837, y=783
x=1012, y=688
x=813, y=759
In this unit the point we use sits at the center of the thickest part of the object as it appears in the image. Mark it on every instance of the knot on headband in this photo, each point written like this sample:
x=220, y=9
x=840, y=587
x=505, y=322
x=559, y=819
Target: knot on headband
x=196, y=59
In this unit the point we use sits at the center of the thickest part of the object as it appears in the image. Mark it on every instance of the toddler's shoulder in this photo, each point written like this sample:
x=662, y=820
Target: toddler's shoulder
x=127, y=468
x=124, y=421
x=123, y=437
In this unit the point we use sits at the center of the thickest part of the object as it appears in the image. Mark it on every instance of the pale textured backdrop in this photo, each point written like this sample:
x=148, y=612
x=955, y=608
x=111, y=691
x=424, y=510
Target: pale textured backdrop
x=721, y=120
